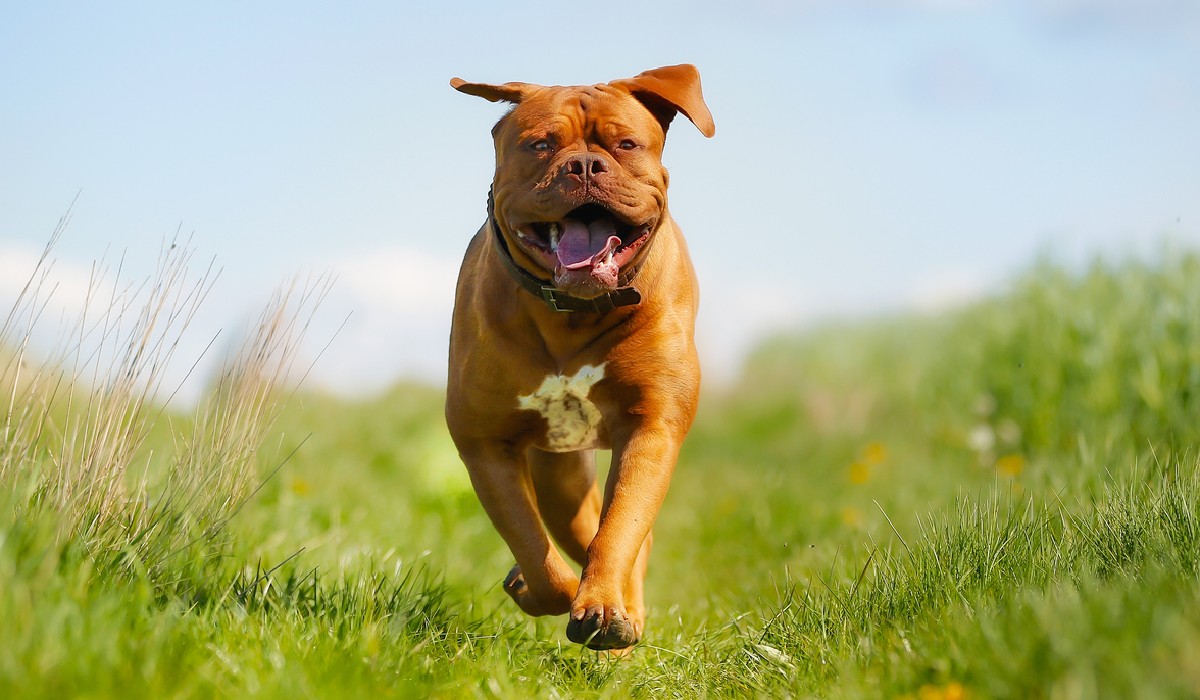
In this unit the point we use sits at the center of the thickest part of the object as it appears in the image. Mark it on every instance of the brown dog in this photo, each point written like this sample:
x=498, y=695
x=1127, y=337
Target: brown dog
x=573, y=326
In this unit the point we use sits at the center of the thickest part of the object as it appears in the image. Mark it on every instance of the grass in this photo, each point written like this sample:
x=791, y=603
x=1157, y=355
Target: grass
x=1001, y=501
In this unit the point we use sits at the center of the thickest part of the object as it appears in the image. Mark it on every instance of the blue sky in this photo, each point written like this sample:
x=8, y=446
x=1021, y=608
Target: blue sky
x=869, y=155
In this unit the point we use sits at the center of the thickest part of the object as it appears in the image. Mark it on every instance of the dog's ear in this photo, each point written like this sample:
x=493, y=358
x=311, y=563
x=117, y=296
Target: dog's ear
x=508, y=92
x=672, y=89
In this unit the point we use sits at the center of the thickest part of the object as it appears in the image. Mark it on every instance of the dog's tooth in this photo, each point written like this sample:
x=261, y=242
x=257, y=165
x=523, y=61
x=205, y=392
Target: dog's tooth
x=608, y=258
x=553, y=237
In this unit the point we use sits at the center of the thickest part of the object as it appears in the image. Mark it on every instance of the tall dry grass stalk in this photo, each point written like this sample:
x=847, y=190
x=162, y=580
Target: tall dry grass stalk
x=73, y=440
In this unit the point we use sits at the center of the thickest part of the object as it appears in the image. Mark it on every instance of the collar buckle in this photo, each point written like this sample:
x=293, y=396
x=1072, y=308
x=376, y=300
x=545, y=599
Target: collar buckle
x=550, y=296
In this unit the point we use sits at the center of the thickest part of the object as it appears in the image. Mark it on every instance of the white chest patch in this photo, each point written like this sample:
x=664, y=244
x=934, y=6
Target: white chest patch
x=571, y=419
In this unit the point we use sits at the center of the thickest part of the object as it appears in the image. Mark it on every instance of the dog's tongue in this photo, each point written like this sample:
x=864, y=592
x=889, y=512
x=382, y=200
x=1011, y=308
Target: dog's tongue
x=582, y=245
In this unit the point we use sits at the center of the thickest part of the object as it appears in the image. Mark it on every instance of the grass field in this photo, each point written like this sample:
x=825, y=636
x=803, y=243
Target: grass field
x=1000, y=501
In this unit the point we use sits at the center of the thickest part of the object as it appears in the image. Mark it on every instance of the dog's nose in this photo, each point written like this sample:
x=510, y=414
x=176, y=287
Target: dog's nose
x=585, y=166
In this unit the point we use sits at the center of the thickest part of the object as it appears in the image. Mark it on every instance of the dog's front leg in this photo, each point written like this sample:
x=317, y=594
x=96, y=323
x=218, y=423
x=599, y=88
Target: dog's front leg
x=541, y=583
x=636, y=487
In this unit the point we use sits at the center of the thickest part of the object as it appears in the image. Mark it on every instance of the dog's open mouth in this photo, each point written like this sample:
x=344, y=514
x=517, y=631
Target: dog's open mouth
x=587, y=249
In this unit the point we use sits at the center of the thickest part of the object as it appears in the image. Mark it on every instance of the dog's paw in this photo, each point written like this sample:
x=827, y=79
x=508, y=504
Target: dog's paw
x=514, y=582
x=604, y=627
x=548, y=602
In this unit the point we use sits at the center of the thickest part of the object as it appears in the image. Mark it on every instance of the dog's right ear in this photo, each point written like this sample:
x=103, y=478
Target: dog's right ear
x=508, y=92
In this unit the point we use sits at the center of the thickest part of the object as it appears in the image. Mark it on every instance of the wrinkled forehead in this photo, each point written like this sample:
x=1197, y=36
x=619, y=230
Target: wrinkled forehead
x=580, y=110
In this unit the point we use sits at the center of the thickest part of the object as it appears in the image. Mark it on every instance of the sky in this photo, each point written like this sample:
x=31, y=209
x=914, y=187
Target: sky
x=870, y=156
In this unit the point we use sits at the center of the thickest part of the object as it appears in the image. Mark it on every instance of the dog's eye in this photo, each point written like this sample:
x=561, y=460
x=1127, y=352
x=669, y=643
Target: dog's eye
x=627, y=145
x=541, y=145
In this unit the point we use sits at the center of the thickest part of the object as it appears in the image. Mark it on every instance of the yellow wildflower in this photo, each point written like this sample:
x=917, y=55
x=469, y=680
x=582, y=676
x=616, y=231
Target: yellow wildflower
x=950, y=691
x=874, y=453
x=859, y=473
x=1010, y=466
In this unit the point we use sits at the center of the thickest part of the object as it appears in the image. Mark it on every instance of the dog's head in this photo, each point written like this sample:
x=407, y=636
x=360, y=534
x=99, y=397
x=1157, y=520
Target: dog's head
x=580, y=189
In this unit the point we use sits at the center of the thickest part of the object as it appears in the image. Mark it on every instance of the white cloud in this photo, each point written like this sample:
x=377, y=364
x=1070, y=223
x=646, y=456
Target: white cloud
x=734, y=317
x=47, y=299
x=400, y=279
x=949, y=289
x=395, y=303
x=388, y=315
x=85, y=316
x=69, y=288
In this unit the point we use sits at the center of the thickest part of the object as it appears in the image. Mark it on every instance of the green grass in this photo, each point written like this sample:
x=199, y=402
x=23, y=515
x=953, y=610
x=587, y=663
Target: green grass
x=1001, y=501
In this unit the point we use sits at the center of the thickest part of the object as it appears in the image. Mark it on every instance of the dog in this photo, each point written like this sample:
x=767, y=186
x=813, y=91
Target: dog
x=573, y=327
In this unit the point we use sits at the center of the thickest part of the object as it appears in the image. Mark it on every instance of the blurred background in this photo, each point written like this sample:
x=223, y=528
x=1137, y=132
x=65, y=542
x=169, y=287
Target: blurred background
x=870, y=156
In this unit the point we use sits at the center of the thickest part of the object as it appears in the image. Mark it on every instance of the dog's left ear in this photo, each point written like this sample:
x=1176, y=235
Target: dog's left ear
x=507, y=92
x=672, y=89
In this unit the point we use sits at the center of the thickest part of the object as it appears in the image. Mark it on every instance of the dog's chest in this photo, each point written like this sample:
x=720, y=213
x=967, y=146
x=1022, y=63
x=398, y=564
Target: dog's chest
x=572, y=420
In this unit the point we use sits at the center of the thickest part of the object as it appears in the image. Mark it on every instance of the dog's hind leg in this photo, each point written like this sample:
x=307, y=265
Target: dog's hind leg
x=567, y=498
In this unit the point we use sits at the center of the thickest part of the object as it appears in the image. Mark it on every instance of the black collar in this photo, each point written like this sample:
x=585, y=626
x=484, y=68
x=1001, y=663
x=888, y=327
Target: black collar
x=554, y=297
